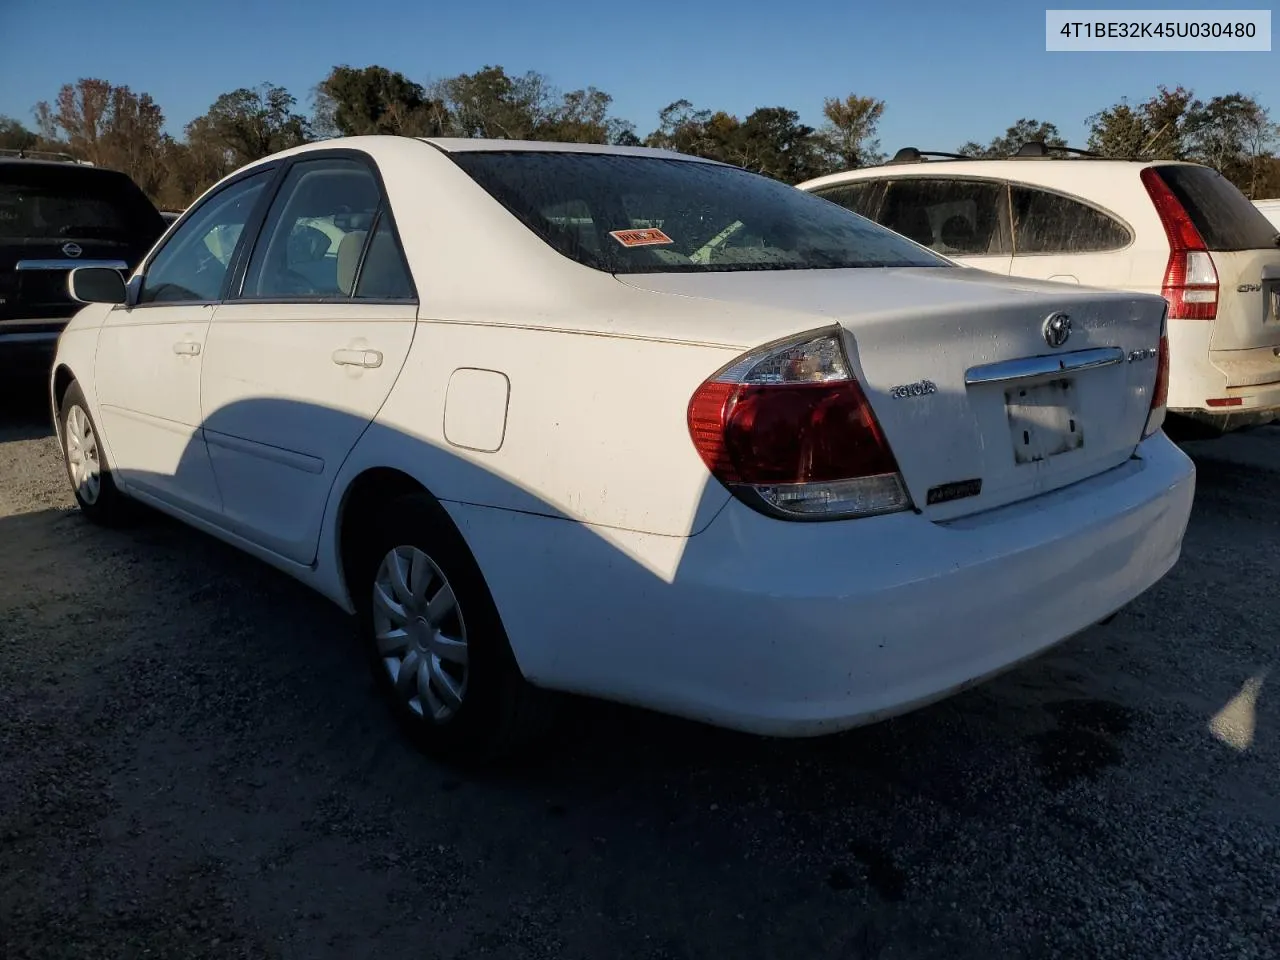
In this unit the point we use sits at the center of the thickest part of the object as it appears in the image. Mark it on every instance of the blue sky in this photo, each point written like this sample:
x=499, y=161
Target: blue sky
x=948, y=72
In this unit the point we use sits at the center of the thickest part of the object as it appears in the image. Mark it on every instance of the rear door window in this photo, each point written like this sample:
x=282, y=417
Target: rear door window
x=1047, y=222
x=314, y=232
x=1222, y=214
x=952, y=216
x=860, y=196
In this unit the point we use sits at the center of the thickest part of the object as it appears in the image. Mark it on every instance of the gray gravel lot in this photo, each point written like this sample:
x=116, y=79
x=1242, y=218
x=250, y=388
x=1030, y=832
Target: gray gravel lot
x=193, y=764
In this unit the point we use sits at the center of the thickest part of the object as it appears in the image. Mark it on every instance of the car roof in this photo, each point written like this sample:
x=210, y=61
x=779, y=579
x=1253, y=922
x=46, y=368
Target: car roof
x=385, y=145
x=1025, y=170
x=465, y=145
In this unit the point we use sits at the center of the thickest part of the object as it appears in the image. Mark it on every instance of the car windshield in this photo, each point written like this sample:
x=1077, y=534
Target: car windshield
x=637, y=214
x=50, y=203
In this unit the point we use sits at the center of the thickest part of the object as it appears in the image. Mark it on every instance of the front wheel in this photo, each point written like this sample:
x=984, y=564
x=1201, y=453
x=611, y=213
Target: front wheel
x=91, y=482
x=435, y=641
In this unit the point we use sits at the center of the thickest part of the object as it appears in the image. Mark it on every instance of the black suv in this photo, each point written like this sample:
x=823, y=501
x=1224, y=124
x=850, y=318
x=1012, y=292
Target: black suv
x=56, y=214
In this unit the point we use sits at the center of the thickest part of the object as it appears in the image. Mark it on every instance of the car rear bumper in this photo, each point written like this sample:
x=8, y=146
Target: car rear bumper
x=27, y=348
x=798, y=629
x=1252, y=406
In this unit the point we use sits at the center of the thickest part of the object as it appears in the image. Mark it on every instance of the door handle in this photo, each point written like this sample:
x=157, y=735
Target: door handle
x=186, y=348
x=357, y=358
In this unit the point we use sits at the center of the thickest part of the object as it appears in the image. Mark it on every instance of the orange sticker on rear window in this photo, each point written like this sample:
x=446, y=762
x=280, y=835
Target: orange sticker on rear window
x=648, y=237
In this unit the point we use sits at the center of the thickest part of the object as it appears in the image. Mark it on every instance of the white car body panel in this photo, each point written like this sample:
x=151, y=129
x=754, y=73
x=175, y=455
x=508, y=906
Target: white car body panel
x=1271, y=209
x=148, y=391
x=1234, y=356
x=802, y=629
x=620, y=566
x=281, y=413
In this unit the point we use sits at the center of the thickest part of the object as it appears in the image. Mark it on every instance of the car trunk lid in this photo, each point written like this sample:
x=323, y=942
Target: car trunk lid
x=978, y=406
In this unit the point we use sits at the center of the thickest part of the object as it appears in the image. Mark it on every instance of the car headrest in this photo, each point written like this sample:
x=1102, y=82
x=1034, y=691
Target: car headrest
x=348, y=259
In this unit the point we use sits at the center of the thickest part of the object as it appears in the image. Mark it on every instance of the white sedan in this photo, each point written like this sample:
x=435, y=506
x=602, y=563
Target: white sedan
x=626, y=423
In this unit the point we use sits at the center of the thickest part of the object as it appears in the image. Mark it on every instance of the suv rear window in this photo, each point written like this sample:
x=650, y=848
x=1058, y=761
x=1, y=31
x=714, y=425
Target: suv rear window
x=637, y=214
x=1223, y=215
x=39, y=202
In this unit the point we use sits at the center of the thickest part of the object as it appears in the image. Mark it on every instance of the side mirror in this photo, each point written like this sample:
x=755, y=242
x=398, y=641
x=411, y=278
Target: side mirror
x=96, y=285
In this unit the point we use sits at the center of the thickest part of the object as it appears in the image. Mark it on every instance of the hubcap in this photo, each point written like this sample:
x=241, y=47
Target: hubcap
x=420, y=633
x=82, y=455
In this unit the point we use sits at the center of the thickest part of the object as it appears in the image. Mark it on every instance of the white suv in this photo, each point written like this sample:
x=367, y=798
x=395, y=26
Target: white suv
x=1177, y=229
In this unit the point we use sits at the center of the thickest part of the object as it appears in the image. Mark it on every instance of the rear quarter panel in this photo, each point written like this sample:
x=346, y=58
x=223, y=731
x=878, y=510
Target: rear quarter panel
x=591, y=428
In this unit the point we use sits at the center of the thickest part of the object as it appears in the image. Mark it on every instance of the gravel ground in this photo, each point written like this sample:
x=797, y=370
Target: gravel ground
x=193, y=764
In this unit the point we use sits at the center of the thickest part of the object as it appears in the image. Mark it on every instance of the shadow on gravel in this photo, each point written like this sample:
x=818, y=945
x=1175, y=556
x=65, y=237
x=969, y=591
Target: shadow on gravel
x=24, y=413
x=206, y=771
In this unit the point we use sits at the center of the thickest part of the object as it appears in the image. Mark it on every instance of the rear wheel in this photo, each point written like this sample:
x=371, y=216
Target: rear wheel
x=91, y=481
x=435, y=642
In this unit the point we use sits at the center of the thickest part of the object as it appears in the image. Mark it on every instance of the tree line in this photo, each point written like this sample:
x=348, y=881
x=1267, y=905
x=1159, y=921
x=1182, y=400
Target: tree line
x=114, y=126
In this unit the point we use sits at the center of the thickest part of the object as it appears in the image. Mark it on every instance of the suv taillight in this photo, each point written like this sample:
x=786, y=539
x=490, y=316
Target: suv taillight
x=789, y=431
x=1190, y=278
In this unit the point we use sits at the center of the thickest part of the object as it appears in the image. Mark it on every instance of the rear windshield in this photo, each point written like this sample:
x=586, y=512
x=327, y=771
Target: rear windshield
x=1223, y=215
x=629, y=214
x=49, y=203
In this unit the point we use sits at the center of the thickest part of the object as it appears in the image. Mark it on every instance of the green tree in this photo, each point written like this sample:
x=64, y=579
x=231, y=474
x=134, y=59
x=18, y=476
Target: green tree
x=491, y=104
x=1155, y=129
x=849, y=134
x=582, y=116
x=681, y=128
x=355, y=101
x=1022, y=132
x=246, y=125
x=622, y=133
x=773, y=141
x=108, y=125
x=14, y=136
x=1235, y=135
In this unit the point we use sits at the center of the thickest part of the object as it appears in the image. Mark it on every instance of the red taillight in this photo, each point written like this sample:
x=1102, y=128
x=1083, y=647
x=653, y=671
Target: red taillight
x=787, y=428
x=1190, y=277
x=1160, y=390
x=1160, y=393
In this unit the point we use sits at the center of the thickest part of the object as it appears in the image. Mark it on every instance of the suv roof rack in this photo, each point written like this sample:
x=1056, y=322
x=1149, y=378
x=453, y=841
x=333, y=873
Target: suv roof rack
x=912, y=155
x=1038, y=148
x=43, y=155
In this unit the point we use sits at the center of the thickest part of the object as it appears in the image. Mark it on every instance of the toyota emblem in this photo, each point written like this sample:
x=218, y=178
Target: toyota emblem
x=1057, y=329
x=72, y=249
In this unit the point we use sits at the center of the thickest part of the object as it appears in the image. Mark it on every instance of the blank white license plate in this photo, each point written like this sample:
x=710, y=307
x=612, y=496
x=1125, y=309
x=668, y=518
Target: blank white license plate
x=1043, y=421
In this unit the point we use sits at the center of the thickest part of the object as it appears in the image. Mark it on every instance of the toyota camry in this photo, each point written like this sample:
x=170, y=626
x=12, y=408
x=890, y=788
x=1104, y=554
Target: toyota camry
x=625, y=423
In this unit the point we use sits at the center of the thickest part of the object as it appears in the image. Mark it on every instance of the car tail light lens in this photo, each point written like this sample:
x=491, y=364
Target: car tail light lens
x=1190, y=278
x=789, y=431
x=1159, y=392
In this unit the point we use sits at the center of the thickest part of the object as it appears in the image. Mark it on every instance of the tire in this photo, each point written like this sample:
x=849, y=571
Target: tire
x=95, y=490
x=474, y=713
